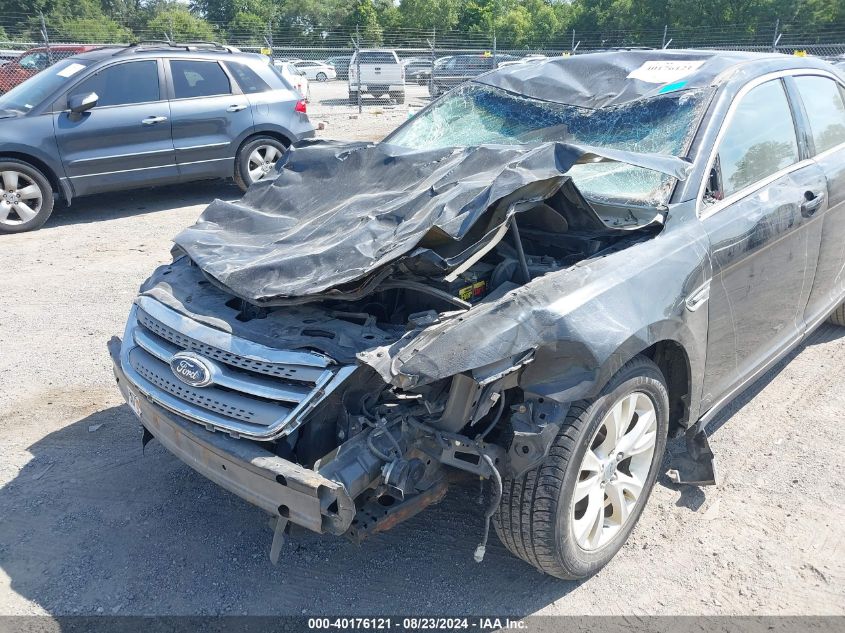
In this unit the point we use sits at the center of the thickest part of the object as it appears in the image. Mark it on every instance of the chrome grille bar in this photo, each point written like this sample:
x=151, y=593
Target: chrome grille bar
x=256, y=391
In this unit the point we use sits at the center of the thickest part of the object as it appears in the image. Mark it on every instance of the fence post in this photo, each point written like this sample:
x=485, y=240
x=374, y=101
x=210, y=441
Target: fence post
x=776, y=36
x=572, y=47
x=665, y=32
x=433, y=44
x=358, y=66
x=46, y=37
x=494, y=49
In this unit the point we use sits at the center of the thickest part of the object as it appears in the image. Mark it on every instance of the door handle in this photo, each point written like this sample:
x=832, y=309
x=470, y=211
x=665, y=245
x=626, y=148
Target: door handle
x=812, y=203
x=152, y=120
x=236, y=107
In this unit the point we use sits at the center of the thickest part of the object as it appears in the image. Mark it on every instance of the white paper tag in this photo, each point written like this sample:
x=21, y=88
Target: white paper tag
x=70, y=70
x=665, y=71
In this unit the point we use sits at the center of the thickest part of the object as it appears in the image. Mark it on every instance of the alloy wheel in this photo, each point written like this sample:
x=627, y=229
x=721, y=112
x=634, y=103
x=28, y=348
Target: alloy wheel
x=614, y=470
x=21, y=198
x=262, y=160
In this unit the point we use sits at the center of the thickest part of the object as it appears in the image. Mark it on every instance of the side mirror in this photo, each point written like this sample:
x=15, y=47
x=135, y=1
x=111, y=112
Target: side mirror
x=82, y=103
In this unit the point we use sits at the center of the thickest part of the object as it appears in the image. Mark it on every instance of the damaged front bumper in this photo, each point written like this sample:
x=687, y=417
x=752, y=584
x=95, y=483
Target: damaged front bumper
x=280, y=487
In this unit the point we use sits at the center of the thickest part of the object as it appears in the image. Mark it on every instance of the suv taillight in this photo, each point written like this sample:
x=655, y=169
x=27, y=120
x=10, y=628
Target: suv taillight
x=300, y=106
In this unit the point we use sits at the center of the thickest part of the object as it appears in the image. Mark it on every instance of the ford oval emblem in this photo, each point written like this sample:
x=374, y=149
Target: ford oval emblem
x=192, y=369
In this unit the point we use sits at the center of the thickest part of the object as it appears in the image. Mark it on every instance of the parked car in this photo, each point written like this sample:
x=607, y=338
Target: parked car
x=381, y=75
x=33, y=61
x=295, y=77
x=341, y=65
x=422, y=76
x=317, y=70
x=557, y=276
x=460, y=68
x=115, y=118
x=521, y=60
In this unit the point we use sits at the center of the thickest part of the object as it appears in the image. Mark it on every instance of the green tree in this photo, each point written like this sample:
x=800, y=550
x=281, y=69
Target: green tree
x=364, y=18
x=178, y=24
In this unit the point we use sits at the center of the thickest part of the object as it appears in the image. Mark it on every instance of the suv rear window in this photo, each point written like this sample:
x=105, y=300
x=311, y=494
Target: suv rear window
x=198, y=79
x=247, y=78
x=376, y=57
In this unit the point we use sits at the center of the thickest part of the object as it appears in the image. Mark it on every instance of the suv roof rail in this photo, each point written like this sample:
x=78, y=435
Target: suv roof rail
x=145, y=45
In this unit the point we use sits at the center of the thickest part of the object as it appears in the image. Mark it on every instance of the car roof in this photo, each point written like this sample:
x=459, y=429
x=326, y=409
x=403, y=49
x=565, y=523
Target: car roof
x=595, y=80
x=144, y=51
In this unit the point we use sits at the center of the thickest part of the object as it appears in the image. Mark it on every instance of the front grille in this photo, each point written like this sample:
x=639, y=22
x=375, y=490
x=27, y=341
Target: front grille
x=256, y=391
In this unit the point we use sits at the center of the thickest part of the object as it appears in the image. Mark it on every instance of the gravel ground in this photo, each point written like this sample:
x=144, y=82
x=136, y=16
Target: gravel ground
x=89, y=524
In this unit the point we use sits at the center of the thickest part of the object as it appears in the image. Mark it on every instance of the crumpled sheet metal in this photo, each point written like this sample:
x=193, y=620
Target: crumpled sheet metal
x=336, y=212
x=583, y=322
x=601, y=80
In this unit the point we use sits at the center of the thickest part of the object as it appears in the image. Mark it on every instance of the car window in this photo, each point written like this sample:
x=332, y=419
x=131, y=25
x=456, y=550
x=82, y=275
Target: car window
x=247, y=78
x=825, y=109
x=375, y=57
x=198, y=79
x=34, y=61
x=759, y=141
x=122, y=84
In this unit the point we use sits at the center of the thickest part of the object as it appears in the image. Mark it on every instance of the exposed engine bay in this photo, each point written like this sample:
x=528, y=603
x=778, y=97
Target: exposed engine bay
x=391, y=443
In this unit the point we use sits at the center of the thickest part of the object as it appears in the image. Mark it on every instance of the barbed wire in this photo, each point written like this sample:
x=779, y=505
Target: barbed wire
x=19, y=31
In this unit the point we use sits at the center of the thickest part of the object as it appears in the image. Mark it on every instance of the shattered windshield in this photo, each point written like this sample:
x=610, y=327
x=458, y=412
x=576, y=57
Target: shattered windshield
x=475, y=114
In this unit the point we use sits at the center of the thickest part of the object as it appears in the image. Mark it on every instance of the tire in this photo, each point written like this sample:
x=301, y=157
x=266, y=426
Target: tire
x=838, y=316
x=537, y=517
x=245, y=168
x=322, y=77
x=26, y=198
x=398, y=97
x=353, y=97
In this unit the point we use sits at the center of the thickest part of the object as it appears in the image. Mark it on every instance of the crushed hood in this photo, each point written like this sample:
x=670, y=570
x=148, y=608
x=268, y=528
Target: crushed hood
x=337, y=213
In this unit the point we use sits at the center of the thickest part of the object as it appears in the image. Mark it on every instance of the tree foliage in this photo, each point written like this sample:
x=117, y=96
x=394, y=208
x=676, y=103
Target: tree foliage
x=515, y=23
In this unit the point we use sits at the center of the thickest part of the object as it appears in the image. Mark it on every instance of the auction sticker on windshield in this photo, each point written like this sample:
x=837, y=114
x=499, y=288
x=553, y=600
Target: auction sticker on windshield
x=664, y=71
x=70, y=70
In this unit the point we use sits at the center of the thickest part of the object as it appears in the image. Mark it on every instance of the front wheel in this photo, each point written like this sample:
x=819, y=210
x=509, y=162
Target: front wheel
x=570, y=516
x=257, y=158
x=26, y=200
x=322, y=77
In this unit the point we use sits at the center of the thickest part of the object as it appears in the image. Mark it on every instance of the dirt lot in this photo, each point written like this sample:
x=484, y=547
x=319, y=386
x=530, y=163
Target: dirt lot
x=89, y=524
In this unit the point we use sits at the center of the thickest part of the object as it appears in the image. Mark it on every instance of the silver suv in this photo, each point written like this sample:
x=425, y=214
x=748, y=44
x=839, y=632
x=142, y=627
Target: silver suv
x=142, y=115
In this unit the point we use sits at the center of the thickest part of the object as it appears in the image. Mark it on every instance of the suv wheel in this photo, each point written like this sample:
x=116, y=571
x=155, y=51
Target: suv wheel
x=256, y=158
x=398, y=97
x=26, y=200
x=322, y=77
x=570, y=516
x=353, y=96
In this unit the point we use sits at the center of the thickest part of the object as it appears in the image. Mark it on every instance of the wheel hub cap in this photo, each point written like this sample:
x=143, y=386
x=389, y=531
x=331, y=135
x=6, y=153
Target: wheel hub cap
x=614, y=470
x=21, y=200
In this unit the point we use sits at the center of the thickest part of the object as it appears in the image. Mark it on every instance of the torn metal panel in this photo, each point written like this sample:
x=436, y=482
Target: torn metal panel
x=337, y=214
x=584, y=322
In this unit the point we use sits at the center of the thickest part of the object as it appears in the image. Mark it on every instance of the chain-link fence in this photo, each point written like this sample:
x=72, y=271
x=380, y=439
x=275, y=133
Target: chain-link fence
x=30, y=43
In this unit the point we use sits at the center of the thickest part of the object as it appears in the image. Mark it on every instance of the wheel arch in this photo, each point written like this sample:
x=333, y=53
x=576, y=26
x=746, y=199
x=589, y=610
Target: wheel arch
x=43, y=167
x=674, y=363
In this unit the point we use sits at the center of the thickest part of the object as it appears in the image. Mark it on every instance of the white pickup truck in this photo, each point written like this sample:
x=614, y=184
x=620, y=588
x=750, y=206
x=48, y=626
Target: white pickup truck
x=376, y=72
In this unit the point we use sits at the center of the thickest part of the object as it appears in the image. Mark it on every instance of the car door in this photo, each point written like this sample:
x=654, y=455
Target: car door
x=210, y=115
x=824, y=104
x=764, y=243
x=125, y=139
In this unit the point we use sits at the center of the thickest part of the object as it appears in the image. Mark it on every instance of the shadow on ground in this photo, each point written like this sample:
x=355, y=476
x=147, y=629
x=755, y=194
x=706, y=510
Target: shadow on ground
x=92, y=525
x=110, y=206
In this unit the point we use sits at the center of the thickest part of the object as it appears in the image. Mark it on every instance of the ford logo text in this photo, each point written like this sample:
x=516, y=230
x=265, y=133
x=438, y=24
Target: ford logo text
x=192, y=369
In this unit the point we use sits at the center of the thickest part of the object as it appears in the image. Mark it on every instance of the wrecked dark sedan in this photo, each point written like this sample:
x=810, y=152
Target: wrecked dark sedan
x=536, y=280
